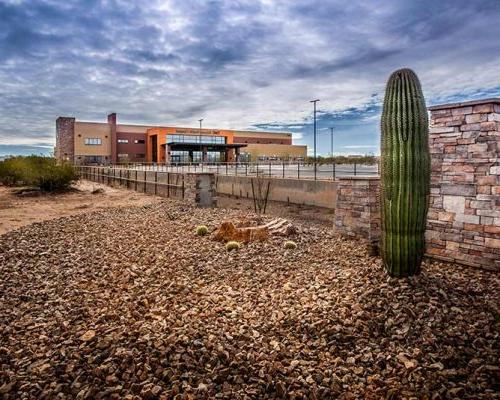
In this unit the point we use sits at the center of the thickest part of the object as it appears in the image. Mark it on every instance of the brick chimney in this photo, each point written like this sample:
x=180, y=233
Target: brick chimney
x=112, y=130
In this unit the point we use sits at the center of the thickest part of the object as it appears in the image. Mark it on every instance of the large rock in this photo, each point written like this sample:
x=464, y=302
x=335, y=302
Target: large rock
x=227, y=232
x=246, y=231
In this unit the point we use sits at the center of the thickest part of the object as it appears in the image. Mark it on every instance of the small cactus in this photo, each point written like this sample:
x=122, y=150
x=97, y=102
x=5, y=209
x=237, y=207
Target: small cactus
x=232, y=245
x=290, y=245
x=201, y=230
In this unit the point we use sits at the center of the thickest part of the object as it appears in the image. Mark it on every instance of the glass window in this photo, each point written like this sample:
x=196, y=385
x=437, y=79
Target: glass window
x=139, y=141
x=196, y=139
x=93, y=141
x=122, y=140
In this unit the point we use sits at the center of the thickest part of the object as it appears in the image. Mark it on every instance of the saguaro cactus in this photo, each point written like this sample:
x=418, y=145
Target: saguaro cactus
x=405, y=174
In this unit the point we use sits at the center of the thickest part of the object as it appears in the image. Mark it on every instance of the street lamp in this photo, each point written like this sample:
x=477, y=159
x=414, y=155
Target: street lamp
x=200, y=121
x=201, y=147
x=315, y=160
x=331, y=143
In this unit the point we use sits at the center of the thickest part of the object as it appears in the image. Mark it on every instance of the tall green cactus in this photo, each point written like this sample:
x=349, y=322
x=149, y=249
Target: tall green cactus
x=405, y=174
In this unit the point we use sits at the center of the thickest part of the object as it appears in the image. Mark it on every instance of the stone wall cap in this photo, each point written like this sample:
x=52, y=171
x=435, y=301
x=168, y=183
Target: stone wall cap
x=494, y=100
x=359, y=178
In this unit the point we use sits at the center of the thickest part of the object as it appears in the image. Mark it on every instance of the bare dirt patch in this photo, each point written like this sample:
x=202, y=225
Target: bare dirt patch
x=131, y=303
x=21, y=210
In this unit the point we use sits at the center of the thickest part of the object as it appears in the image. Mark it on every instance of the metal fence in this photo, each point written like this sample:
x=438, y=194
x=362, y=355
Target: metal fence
x=152, y=181
x=271, y=169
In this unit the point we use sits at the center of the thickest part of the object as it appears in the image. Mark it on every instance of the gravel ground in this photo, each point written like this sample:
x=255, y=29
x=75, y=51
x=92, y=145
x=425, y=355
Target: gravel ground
x=129, y=303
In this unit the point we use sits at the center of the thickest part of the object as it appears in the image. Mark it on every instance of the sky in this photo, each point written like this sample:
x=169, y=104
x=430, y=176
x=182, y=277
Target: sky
x=241, y=64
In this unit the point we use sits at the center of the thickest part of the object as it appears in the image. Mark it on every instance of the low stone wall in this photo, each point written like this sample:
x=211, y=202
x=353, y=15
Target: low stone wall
x=357, y=213
x=295, y=191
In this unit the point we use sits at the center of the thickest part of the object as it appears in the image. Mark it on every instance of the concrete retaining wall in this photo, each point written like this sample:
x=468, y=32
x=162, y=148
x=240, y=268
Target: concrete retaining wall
x=295, y=191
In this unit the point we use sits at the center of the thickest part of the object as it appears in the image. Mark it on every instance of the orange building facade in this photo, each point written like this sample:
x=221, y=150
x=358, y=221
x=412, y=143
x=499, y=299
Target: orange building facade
x=171, y=144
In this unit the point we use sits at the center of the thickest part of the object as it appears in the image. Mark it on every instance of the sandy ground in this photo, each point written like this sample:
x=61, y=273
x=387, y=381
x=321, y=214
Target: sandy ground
x=17, y=211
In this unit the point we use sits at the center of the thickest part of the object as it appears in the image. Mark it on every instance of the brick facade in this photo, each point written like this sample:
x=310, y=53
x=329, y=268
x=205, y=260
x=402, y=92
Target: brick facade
x=464, y=205
x=65, y=139
x=136, y=152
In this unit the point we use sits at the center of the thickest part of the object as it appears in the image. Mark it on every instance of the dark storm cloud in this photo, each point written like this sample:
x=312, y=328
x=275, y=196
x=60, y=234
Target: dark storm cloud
x=237, y=63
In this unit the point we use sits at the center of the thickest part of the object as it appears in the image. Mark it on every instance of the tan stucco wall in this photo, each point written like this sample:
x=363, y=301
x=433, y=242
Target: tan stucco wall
x=296, y=191
x=276, y=150
x=132, y=128
x=92, y=130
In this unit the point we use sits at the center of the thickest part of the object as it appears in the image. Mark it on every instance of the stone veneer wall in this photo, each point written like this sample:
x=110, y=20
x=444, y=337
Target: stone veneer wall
x=463, y=223
x=464, y=207
x=199, y=188
x=357, y=213
x=65, y=139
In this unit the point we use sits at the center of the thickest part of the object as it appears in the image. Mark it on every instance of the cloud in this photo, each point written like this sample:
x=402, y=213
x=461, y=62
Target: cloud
x=237, y=63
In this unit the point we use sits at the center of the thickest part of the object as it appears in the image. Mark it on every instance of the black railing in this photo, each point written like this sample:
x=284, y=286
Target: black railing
x=277, y=169
x=134, y=179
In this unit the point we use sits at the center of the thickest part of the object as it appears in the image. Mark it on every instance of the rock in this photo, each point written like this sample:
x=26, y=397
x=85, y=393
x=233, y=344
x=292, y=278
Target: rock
x=7, y=387
x=456, y=393
x=87, y=336
x=228, y=232
x=202, y=387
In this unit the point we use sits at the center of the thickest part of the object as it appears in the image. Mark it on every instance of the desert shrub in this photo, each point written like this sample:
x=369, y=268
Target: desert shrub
x=290, y=245
x=232, y=245
x=201, y=230
x=37, y=171
x=56, y=177
x=13, y=171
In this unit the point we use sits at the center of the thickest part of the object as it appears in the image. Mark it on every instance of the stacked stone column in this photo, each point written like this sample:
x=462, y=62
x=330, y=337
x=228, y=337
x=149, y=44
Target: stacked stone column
x=65, y=139
x=464, y=214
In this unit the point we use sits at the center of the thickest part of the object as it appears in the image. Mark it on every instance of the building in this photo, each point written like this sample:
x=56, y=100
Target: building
x=108, y=143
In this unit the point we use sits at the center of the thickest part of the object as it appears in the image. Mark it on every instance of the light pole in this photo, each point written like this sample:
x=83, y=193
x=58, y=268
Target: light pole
x=200, y=121
x=315, y=160
x=201, y=147
x=331, y=141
